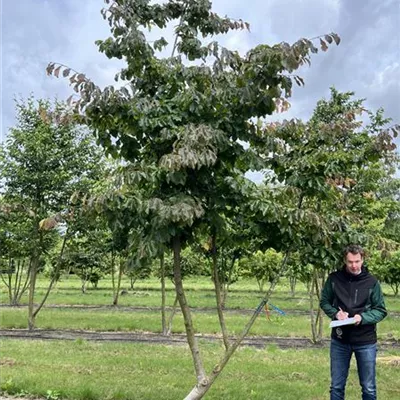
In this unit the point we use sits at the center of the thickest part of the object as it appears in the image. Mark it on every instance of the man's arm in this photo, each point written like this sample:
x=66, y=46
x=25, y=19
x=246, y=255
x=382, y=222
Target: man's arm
x=327, y=296
x=378, y=310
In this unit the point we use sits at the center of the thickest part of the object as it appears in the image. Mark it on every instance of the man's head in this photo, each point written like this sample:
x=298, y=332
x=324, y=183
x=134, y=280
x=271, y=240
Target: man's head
x=353, y=258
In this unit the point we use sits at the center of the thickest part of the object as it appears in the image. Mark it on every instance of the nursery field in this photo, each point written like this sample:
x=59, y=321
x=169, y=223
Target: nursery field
x=81, y=368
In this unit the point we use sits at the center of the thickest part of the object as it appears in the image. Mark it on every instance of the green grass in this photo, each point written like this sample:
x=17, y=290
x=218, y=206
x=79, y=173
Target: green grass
x=91, y=370
x=243, y=295
x=80, y=370
x=100, y=320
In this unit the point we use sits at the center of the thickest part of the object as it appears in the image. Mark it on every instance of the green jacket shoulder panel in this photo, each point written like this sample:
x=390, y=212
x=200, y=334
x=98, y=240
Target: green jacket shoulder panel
x=327, y=298
x=376, y=311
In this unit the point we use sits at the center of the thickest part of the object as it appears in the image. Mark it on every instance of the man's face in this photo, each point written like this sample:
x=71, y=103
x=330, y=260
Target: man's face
x=353, y=263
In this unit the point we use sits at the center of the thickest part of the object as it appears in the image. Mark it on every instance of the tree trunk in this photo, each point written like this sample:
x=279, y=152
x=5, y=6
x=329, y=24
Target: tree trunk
x=35, y=259
x=202, y=387
x=320, y=318
x=226, y=288
x=13, y=287
x=55, y=275
x=292, y=282
x=32, y=284
x=312, y=316
x=395, y=289
x=17, y=282
x=83, y=287
x=320, y=315
x=18, y=291
x=113, y=272
x=171, y=317
x=190, y=334
x=163, y=313
x=260, y=283
x=218, y=297
x=8, y=285
x=120, y=272
x=36, y=312
x=317, y=327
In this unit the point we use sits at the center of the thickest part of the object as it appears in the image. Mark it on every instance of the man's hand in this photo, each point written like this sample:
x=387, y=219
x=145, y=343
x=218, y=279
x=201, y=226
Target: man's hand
x=358, y=319
x=342, y=314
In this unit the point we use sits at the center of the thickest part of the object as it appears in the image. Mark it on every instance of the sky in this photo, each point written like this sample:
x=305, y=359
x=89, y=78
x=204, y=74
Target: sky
x=367, y=61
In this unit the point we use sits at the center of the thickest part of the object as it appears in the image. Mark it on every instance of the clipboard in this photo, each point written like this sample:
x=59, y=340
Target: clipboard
x=347, y=321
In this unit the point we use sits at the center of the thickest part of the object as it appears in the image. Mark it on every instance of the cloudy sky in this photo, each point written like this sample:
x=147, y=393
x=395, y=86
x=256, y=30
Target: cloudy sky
x=34, y=32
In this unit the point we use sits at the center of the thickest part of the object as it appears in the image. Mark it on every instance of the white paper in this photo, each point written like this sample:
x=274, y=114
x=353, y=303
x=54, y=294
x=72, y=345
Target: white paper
x=347, y=321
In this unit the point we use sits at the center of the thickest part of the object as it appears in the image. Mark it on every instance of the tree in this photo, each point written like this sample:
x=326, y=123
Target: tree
x=263, y=266
x=297, y=270
x=14, y=250
x=336, y=164
x=192, y=263
x=182, y=121
x=225, y=238
x=135, y=274
x=86, y=256
x=46, y=157
x=386, y=266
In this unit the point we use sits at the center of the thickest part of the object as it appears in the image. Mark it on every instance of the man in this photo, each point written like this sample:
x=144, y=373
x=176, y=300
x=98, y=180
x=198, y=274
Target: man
x=353, y=292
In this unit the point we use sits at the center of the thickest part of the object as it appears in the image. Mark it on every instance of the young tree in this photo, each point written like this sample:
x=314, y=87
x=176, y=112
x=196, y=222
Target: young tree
x=46, y=157
x=233, y=241
x=182, y=121
x=14, y=250
x=86, y=256
x=336, y=164
x=386, y=266
x=298, y=271
x=264, y=266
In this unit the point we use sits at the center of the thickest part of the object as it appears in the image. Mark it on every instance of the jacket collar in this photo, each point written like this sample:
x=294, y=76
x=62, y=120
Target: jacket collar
x=361, y=275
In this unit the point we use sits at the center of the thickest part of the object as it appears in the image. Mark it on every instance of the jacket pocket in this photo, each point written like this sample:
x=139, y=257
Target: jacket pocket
x=361, y=298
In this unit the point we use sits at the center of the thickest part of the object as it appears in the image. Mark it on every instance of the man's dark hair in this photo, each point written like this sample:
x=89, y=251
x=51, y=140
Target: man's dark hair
x=353, y=249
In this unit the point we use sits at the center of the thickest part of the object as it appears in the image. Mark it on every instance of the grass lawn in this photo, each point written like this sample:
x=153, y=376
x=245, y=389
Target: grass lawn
x=150, y=321
x=93, y=370
x=244, y=294
x=84, y=370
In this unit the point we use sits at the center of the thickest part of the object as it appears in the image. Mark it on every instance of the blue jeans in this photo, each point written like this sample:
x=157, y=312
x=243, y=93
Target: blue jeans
x=340, y=362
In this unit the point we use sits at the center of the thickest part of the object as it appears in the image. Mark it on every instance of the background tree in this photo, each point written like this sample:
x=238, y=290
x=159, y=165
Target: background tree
x=264, y=266
x=297, y=271
x=336, y=164
x=86, y=257
x=135, y=273
x=386, y=266
x=14, y=250
x=46, y=157
x=232, y=240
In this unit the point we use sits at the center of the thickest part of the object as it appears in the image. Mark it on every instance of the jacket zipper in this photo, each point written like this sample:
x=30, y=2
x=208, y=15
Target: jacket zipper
x=355, y=297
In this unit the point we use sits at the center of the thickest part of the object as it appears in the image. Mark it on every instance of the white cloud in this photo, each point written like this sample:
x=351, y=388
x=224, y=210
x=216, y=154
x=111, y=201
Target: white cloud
x=385, y=86
x=34, y=33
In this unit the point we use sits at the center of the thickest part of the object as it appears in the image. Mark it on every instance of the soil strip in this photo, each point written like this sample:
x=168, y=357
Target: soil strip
x=175, y=339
